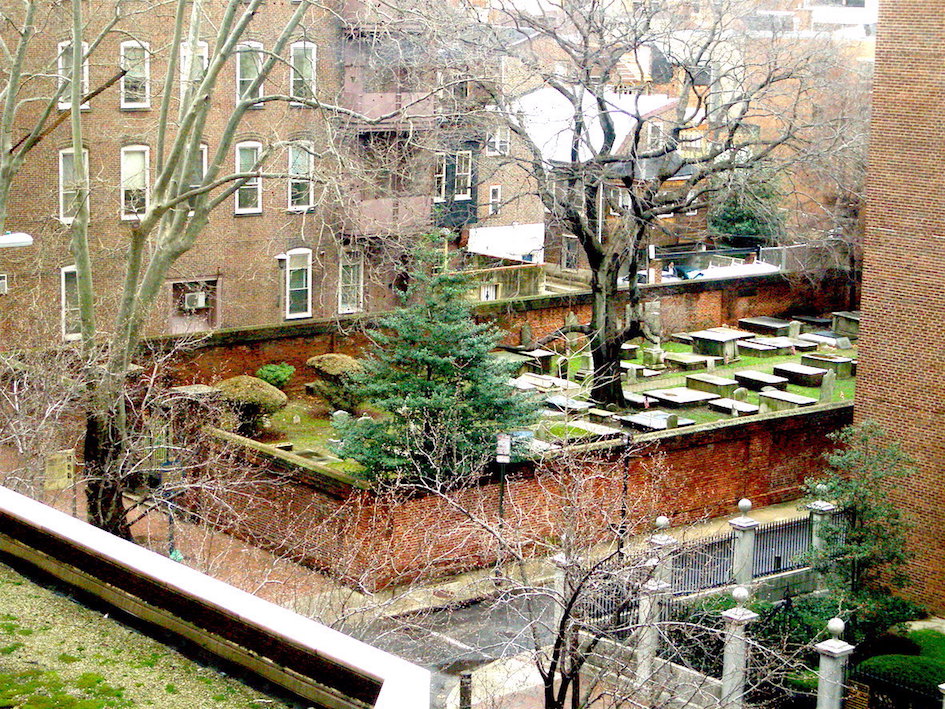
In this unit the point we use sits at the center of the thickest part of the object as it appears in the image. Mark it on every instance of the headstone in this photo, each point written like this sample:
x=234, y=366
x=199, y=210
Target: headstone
x=653, y=356
x=794, y=328
x=768, y=389
x=632, y=375
x=526, y=334
x=828, y=385
x=843, y=343
x=763, y=407
x=339, y=418
x=740, y=394
x=571, y=338
x=672, y=421
x=710, y=365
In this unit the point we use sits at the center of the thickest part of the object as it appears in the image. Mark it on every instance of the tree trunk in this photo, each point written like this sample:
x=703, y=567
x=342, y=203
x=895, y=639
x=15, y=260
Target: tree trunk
x=606, y=336
x=104, y=482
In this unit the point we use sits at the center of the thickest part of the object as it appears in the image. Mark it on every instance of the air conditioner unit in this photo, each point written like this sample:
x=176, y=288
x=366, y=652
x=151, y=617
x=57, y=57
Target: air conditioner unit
x=195, y=301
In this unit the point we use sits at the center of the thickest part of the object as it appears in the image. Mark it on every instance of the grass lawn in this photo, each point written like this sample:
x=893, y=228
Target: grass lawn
x=303, y=427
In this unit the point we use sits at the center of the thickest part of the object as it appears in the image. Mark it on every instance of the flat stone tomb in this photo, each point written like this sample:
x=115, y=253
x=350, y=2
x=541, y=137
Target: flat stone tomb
x=712, y=384
x=783, y=345
x=751, y=348
x=717, y=342
x=652, y=420
x=825, y=337
x=567, y=404
x=681, y=396
x=545, y=382
x=782, y=400
x=681, y=337
x=725, y=330
x=600, y=415
x=688, y=361
x=639, y=369
x=765, y=325
x=726, y=406
x=846, y=322
x=629, y=351
x=813, y=322
x=803, y=345
x=638, y=401
x=756, y=381
x=596, y=430
x=801, y=374
x=843, y=366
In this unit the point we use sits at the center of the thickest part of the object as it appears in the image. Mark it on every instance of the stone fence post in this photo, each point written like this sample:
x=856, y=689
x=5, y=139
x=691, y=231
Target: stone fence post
x=941, y=688
x=743, y=558
x=735, y=653
x=821, y=513
x=833, y=660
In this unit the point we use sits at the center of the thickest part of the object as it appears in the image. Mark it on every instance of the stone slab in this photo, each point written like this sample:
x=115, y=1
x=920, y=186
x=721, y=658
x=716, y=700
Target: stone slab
x=629, y=351
x=726, y=406
x=803, y=345
x=545, y=382
x=801, y=374
x=652, y=420
x=711, y=383
x=783, y=345
x=567, y=404
x=720, y=334
x=782, y=400
x=843, y=366
x=756, y=381
x=639, y=369
x=681, y=396
x=682, y=337
x=765, y=325
x=750, y=348
x=600, y=415
x=638, y=401
x=683, y=360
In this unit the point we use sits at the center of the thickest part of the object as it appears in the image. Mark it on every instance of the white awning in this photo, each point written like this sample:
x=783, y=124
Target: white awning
x=519, y=242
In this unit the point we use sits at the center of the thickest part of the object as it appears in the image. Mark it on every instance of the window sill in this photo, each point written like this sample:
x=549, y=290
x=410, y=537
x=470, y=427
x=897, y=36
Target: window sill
x=132, y=108
x=298, y=316
x=254, y=213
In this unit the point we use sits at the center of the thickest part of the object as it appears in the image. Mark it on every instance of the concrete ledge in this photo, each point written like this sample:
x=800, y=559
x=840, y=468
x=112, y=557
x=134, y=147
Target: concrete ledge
x=307, y=658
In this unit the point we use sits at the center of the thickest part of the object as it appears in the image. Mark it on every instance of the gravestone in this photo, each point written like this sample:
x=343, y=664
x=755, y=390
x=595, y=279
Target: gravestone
x=672, y=421
x=794, y=328
x=653, y=356
x=740, y=394
x=843, y=343
x=571, y=338
x=340, y=418
x=526, y=335
x=828, y=385
x=710, y=365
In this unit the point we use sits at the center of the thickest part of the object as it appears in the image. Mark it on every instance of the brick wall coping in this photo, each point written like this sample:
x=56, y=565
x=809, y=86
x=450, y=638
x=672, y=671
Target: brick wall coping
x=322, y=326
x=308, y=658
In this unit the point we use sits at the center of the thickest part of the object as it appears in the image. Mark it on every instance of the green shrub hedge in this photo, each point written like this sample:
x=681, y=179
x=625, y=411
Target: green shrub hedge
x=276, y=374
x=916, y=671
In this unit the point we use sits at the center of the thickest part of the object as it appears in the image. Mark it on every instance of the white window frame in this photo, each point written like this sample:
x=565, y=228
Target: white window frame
x=439, y=178
x=63, y=308
x=256, y=50
x=488, y=289
x=203, y=54
x=63, y=217
x=64, y=99
x=499, y=141
x=204, y=150
x=253, y=183
x=351, y=258
x=307, y=313
x=294, y=77
x=466, y=176
x=306, y=178
x=145, y=64
x=125, y=215
x=495, y=199
x=4, y=284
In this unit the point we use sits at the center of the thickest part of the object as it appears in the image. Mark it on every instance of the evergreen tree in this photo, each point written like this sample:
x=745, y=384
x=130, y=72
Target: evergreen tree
x=443, y=397
x=749, y=213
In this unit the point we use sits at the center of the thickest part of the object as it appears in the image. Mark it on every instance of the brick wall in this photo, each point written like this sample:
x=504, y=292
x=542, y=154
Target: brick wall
x=901, y=377
x=685, y=306
x=375, y=539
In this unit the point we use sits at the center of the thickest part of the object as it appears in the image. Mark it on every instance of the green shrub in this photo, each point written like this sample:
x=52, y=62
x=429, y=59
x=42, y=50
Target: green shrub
x=877, y=614
x=336, y=374
x=921, y=673
x=276, y=374
x=805, y=681
x=252, y=400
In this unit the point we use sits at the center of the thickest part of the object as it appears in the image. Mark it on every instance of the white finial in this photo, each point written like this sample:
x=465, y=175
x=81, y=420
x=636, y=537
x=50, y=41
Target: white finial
x=740, y=594
x=835, y=627
x=744, y=505
x=662, y=522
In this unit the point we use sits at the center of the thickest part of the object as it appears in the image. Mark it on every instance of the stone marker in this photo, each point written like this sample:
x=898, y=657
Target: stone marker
x=843, y=343
x=710, y=365
x=827, y=386
x=794, y=328
x=526, y=334
x=653, y=356
x=571, y=338
x=339, y=418
x=672, y=421
x=740, y=394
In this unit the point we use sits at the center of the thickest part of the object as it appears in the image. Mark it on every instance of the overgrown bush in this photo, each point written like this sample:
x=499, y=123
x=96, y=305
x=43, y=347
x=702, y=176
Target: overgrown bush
x=276, y=374
x=252, y=400
x=336, y=374
x=928, y=642
x=916, y=671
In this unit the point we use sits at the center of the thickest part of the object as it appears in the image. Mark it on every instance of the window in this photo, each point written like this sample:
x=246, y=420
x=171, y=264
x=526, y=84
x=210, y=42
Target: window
x=198, y=169
x=249, y=60
x=248, y=194
x=134, y=181
x=69, y=303
x=351, y=282
x=691, y=143
x=439, y=178
x=195, y=306
x=135, y=84
x=192, y=72
x=489, y=291
x=495, y=199
x=4, y=284
x=463, y=181
x=303, y=70
x=498, y=141
x=301, y=167
x=298, y=284
x=619, y=200
x=569, y=252
x=70, y=184
x=65, y=74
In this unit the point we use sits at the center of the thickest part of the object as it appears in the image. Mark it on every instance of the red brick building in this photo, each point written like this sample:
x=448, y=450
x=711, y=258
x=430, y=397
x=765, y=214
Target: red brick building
x=902, y=379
